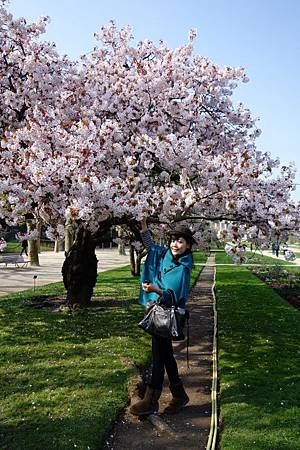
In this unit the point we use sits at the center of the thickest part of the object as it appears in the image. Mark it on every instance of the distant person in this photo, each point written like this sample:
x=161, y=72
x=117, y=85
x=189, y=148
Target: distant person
x=273, y=248
x=3, y=244
x=24, y=245
x=276, y=249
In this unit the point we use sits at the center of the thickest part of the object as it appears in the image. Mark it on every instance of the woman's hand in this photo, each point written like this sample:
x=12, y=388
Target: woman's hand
x=144, y=225
x=149, y=287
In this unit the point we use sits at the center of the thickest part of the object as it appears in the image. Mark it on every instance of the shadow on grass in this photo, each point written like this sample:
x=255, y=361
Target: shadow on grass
x=36, y=432
x=73, y=328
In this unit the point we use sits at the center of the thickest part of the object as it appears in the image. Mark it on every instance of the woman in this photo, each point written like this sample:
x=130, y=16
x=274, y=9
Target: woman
x=165, y=270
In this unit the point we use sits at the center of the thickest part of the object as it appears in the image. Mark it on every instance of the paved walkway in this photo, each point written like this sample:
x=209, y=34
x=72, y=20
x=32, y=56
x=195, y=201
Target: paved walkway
x=280, y=256
x=190, y=428
x=14, y=279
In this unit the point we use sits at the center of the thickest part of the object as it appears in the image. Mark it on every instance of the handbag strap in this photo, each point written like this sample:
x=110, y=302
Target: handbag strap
x=172, y=293
x=173, y=297
x=187, y=341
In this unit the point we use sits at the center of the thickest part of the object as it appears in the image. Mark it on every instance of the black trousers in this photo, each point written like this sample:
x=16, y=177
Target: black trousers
x=163, y=358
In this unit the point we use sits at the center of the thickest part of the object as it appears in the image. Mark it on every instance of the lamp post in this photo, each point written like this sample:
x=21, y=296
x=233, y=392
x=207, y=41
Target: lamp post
x=34, y=278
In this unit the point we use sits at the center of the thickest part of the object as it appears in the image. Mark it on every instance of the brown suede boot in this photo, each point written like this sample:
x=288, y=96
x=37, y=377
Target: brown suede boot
x=179, y=399
x=148, y=405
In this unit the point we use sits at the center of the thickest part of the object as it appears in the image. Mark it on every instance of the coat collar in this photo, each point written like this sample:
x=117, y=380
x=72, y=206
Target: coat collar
x=185, y=260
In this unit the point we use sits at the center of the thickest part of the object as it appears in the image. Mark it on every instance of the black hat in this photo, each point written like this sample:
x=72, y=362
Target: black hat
x=182, y=231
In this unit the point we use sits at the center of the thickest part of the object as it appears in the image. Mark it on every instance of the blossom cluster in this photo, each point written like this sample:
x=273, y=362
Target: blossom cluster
x=289, y=255
x=29, y=236
x=237, y=253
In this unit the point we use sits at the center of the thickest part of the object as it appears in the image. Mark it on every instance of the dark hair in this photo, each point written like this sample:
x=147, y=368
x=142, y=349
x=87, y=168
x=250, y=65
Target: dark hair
x=182, y=231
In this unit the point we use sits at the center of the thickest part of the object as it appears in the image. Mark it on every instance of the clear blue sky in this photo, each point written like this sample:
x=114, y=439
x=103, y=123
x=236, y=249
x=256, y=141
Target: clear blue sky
x=261, y=35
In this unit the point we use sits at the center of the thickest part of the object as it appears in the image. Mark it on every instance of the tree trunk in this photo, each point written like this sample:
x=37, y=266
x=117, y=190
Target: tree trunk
x=132, y=260
x=121, y=245
x=58, y=246
x=138, y=264
x=121, y=249
x=69, y=236
x=33, y=253
x=39, y=230
x=80, y=270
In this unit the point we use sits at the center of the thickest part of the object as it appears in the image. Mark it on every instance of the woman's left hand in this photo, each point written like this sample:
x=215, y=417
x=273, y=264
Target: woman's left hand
x=149, y=287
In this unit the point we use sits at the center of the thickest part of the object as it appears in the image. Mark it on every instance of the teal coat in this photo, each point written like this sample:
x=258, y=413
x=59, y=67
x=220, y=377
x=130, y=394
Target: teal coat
x=167, y=273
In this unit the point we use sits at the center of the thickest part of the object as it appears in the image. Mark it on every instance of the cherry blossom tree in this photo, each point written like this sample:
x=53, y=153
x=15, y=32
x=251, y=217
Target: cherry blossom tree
x=134, y=131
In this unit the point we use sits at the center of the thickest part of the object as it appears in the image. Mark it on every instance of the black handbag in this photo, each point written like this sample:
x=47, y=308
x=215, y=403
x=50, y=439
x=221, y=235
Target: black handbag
x=163, y=321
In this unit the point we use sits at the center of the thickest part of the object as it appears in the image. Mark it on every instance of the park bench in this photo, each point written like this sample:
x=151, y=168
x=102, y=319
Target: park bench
x=16, y=260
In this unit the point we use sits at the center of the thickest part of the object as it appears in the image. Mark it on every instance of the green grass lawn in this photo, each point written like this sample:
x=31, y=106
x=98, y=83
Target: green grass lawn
x=223, y=258
x=15, y=247
x=64, y=375
x=259, y=364
x=199, y=258
x=12, y=247
x=262, y=259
